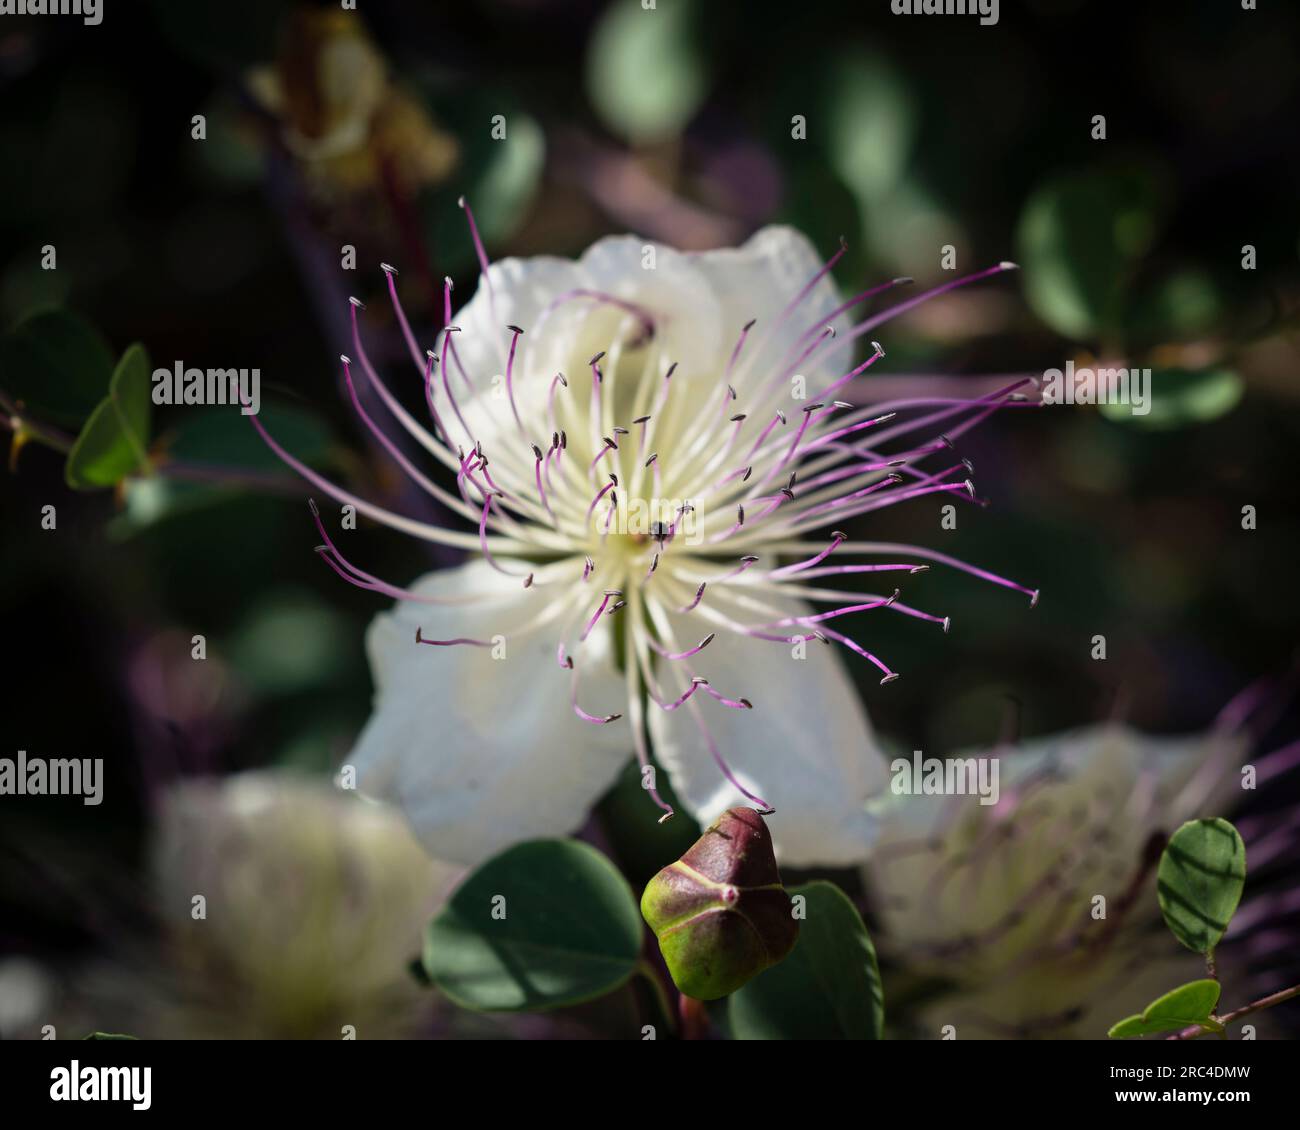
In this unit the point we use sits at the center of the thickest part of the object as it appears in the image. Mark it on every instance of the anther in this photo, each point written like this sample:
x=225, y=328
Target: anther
x=745, y=477
x=595, y=359
x=388, y=270
x=740, y=515
x=641, y=420
x=652, y=459
x=514, y=330
x=737, y=418
x=357, y=303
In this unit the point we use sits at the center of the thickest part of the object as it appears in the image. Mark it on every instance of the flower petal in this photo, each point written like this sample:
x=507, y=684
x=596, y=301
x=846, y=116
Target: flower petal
x=806, y=747
x=482, y=752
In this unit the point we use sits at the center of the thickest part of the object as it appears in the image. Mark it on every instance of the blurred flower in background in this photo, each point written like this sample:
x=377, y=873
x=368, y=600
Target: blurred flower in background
x=342, y=115
x=313, y=903
x=991, y=912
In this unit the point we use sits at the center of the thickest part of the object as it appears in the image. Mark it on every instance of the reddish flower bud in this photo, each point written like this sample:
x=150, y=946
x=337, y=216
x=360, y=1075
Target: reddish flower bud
x=720, y=912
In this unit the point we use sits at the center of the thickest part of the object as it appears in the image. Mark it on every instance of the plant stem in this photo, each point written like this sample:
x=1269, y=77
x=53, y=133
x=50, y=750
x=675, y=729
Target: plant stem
x=651, y=974
x=1269, y=1001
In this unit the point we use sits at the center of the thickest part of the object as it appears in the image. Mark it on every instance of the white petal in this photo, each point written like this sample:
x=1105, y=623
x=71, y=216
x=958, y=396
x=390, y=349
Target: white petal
x=806, y=747
x=760, y=279
x=480, y=752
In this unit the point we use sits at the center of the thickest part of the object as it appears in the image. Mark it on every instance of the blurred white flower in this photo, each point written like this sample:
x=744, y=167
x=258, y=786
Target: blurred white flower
x=635, y=441
x=999, y=902
x=314, y=902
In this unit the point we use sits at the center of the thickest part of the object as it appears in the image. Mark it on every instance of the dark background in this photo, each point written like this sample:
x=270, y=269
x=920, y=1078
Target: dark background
x=921, y=131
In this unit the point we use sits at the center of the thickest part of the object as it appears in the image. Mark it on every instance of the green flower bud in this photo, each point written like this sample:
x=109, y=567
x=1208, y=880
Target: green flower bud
x=720, y=912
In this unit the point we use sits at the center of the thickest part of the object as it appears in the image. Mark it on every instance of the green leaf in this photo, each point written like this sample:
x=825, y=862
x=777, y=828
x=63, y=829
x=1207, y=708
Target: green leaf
x=1180, y=397
x=645, y=71
x=566, y=929
x=57, y=365
x=1182, y=1007
x=224, y=437
x=871, y=124
x=1080, y=238
x=114, y=443
x=1199, y=882
x=1183, y=305
x=827, y=989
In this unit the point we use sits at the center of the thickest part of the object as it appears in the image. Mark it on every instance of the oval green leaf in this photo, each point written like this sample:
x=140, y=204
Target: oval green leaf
x=645, y=70
x=1182, y=1007
x=544, y=924
x=1180, y=397
x=57, y=365
x=827, y=989
x=1080, y=237
x=1200, y=880
x=114, y=443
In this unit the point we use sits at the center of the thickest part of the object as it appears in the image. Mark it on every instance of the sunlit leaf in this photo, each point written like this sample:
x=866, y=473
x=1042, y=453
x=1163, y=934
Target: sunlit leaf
x=544, y=924
x=1187, y=1005
x=115, y=441
x=1199, y=882
x=646, y=73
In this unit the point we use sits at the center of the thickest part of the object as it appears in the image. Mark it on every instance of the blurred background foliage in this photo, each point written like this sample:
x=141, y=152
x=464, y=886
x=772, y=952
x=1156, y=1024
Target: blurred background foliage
x=326, y=128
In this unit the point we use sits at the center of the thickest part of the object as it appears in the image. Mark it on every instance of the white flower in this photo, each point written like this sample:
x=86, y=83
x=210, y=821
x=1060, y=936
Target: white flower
x=650, y=452
x=314, y=903
x=999, y=902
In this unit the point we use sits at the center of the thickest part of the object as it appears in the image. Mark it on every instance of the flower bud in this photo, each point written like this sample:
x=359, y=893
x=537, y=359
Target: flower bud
x=720, y=912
